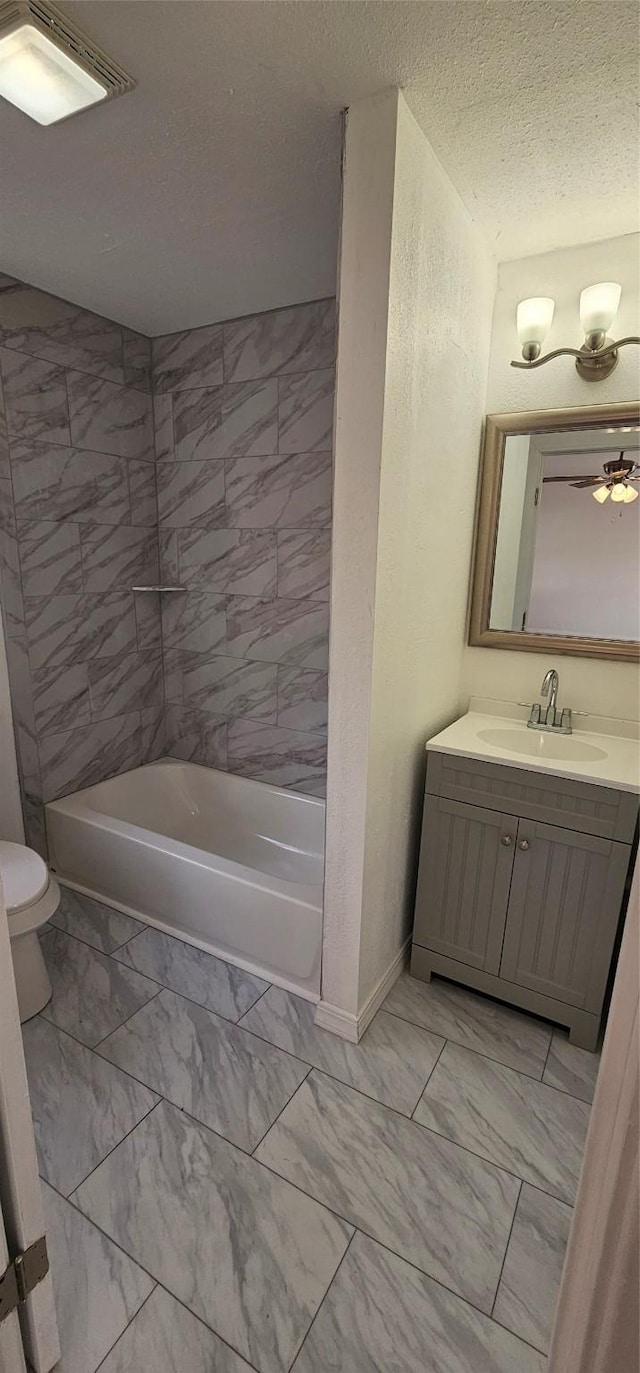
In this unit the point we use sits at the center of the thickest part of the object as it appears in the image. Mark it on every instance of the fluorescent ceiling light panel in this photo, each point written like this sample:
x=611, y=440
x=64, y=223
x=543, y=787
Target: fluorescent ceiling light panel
x=47, y=67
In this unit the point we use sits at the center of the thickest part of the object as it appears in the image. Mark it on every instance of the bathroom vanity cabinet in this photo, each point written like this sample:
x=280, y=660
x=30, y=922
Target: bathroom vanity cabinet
x=521, y=884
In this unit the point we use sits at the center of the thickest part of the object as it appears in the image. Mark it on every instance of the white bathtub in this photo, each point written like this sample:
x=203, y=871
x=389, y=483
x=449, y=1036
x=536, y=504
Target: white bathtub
x=231, y=865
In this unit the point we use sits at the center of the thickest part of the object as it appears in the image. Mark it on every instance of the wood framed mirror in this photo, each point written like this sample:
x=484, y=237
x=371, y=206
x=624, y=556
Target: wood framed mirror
x=555, y=570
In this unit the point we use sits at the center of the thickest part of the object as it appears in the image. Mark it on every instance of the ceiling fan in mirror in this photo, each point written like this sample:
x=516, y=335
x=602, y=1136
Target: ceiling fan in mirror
x=615, y=481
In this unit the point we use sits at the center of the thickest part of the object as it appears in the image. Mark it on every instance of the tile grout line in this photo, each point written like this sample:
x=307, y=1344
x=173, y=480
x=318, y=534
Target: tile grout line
x=441, y=1051
x=322, y=1301
x=506, y=1249
x=129, y=1322
x=146, y=1271
x=273, y=1122
x=342, y=1082
x=428, y=1130
x=111, y=1151
x=95, y=1047
x=483, y=1054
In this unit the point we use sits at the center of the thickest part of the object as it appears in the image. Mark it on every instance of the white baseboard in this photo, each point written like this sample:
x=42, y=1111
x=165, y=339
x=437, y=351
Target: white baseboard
x=350, y=1026
x=341, y=1023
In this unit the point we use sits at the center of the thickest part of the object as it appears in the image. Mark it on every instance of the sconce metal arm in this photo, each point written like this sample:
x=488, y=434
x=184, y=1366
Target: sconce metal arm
x=581, y=354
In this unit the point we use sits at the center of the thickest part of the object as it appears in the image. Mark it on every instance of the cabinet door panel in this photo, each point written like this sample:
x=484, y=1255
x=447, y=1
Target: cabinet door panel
x=463, y=881
x=564, y=908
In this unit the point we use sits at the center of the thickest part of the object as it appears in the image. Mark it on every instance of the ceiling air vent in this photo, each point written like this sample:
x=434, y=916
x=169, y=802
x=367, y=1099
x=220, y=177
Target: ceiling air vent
x=48, y=67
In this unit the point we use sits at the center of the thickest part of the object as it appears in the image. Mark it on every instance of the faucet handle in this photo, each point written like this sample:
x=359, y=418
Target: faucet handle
x=534, y=717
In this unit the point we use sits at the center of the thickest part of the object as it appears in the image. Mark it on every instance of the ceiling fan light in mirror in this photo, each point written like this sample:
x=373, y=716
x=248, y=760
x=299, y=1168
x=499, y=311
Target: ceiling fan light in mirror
x=630, y=494
x=601, y=494
x=617, y=492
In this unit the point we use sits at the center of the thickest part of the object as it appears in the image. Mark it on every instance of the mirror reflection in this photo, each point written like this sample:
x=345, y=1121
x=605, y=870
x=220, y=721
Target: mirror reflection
x=568, y=537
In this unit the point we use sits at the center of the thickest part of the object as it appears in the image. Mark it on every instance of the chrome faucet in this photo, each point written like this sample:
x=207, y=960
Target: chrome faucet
x=550, y=720
x=550, y=684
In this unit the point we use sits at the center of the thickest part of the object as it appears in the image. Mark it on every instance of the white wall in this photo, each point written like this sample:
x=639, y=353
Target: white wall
x=363, y=301
x=416, y=292
x=586, y=684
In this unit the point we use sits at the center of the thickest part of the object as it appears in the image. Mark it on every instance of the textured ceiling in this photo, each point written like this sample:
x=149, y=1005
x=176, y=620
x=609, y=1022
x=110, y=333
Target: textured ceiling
x=212, y=190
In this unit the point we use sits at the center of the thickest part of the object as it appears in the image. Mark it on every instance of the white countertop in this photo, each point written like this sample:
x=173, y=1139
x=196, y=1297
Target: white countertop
x=474, y=736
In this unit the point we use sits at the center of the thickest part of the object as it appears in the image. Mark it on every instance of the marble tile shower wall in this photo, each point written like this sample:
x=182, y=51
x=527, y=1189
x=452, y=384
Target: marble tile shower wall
x=243, y=420
x=78, y=527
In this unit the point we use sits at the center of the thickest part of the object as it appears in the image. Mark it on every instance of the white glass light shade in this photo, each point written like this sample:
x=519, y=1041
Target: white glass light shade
x=601, y=494
x=599, y=306
x=630, y=494
x=41, y=79
x=533, y=319
x=617, y=492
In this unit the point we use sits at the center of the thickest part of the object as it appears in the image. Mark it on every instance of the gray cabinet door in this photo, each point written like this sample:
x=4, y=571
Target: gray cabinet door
x=466, y=858
x=564, y=908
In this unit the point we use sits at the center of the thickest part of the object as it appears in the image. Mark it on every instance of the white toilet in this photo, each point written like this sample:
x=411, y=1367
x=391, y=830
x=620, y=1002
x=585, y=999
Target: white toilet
x=31, y=896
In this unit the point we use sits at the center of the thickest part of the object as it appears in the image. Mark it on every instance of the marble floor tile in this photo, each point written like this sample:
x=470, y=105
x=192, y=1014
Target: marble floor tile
x=165, y=1338
x=530, y=1282
x=92, y=994
x=245, y=1251
x=225, y=1077
x=571, y=1069
x=93, y=922
x=436, y=1205
x=533, y=1130
x=97, y=1287
x=193, y=973
x=518, y=1040
x=381, y=1314
x=391, y=1063
x=82, y=1106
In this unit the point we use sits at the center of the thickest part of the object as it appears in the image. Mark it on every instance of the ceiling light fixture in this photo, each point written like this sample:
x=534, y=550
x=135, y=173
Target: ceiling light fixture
x=48, y=68
x=598, y=309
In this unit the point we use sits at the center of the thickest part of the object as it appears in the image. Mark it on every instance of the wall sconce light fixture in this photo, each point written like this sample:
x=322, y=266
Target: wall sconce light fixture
x=598, y=309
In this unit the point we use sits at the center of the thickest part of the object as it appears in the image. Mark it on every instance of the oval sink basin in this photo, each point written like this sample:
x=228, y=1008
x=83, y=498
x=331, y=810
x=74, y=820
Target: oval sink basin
x=534, y=743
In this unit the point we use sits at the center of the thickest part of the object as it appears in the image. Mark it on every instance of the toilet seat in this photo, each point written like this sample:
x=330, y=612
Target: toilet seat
x=30, y=894
x=24, y=876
